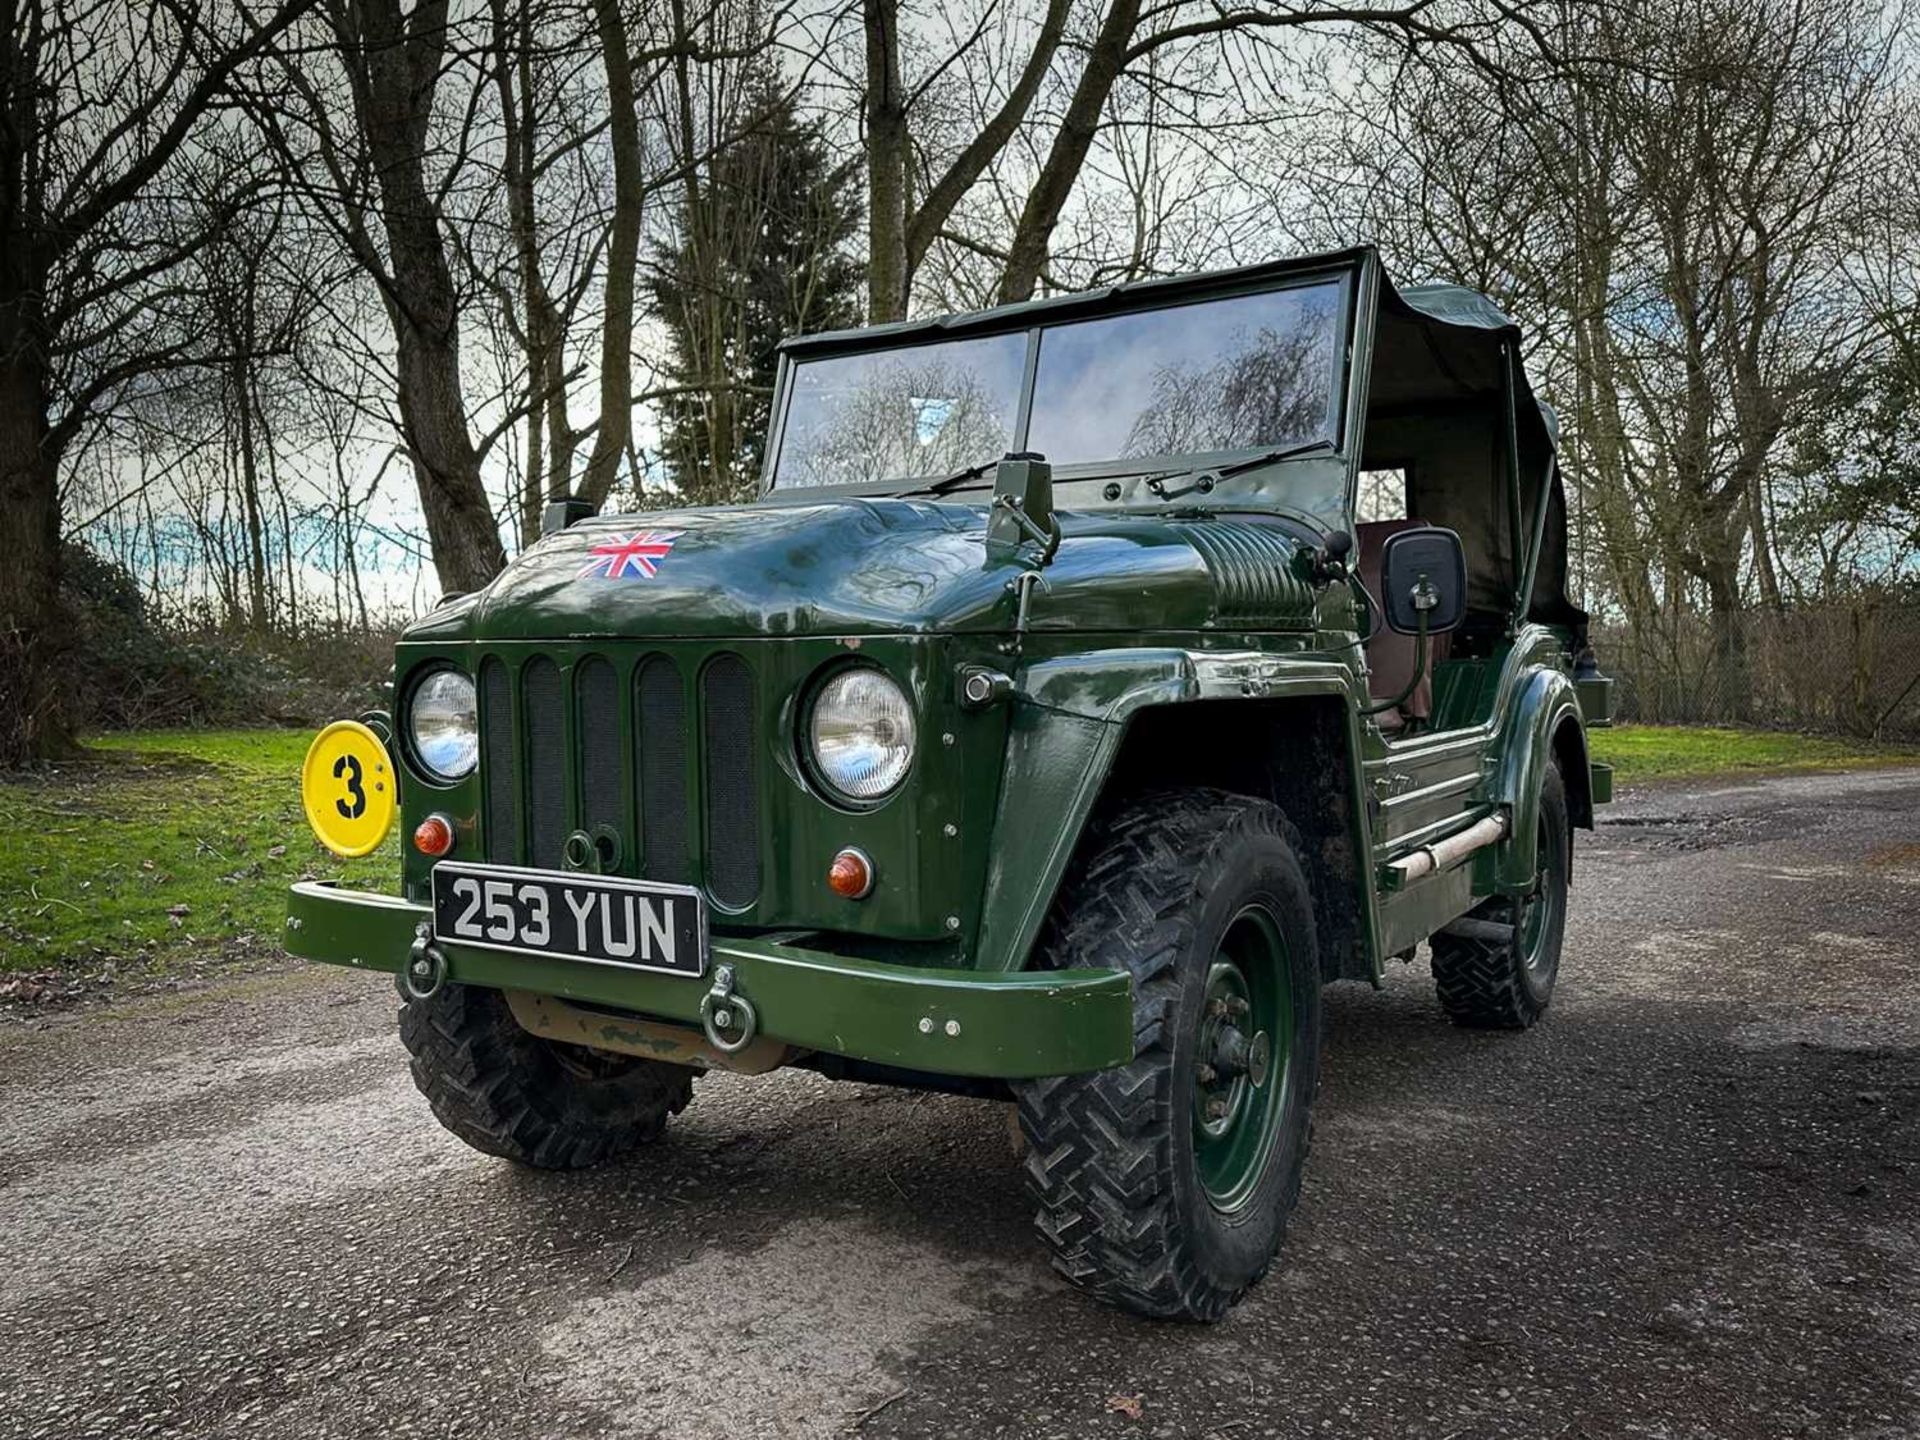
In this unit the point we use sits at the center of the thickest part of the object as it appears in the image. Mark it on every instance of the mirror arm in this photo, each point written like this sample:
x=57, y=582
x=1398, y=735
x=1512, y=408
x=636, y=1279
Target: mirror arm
x=1419, y=673
x=1048, y=539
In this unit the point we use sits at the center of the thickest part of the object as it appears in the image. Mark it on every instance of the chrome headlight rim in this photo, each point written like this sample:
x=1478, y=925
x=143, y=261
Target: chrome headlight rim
x=409, y=729
x=819, y=690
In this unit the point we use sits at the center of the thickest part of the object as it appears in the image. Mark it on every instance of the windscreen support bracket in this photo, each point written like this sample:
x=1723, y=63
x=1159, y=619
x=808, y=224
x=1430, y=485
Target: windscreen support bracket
x=1022, y=507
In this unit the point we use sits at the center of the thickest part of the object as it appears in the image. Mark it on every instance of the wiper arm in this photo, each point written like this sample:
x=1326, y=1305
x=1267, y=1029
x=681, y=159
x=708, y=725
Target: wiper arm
x=957, y=478
x=1207, y=477
x=1212, y=475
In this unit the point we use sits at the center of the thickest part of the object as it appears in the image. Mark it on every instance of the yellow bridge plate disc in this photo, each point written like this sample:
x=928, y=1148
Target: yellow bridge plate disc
x=349, y=789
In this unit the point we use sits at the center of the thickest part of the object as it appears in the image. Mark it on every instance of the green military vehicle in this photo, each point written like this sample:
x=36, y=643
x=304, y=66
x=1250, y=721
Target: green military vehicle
x=1093, y=680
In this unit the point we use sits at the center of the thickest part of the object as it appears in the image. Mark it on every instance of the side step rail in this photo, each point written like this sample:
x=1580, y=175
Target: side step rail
x=1447, y=853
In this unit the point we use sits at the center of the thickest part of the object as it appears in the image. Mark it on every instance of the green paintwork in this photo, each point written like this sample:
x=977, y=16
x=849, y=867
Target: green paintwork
x=1069, y=722
x=1601, y=781
x=1596, y=699
x=1145, y=607
x=924, y=875
x=948, y=1022
x=849, y=567
x=1545, y=712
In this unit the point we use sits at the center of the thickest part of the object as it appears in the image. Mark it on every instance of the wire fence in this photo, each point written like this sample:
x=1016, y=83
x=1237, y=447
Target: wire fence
x=1852, y=670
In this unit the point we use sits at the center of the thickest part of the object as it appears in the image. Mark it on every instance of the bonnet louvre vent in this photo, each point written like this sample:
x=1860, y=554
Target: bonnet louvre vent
x=1251, y=568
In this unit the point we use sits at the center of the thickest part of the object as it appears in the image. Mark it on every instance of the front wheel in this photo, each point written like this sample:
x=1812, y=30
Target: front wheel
x=1164, y=1185
x=540, y=1102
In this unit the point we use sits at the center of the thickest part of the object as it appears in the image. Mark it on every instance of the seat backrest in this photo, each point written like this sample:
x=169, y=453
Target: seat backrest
x=1390, y=655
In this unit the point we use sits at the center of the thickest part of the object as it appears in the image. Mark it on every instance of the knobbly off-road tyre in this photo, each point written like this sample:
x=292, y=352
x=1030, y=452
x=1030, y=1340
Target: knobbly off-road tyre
x=1495, y=969
x=539, y=1102
x=1141, y=1202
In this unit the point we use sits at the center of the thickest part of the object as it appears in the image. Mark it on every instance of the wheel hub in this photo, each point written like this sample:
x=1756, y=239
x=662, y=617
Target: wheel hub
x=1235, y=1053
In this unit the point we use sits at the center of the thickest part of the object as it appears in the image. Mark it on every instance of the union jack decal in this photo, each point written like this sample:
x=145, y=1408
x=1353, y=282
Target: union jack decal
x=637, y=555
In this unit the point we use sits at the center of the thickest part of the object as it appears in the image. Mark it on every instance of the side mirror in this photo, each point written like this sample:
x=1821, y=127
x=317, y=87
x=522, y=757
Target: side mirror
x=1423, y=572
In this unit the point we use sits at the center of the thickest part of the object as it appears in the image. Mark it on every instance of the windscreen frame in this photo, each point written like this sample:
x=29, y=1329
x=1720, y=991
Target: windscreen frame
x=1033, y=320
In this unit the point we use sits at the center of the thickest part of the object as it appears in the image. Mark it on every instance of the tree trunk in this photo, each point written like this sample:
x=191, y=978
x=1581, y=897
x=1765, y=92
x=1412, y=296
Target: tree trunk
x=1860, y=716
x=467, y=552
x=610, y=441
x=1763, y=566
x=31, y=724
x=1027, y=255
x=290, y=561
x=886, y=166
x=1732, y=676
x=400, y=63
x=546, y=396
x=937, y=204
x=250, y=494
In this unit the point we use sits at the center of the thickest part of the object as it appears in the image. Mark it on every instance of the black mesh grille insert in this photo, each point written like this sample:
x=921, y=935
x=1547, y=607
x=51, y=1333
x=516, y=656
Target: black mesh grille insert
x=661, y=738
x=496, y=759
x=546, y=712
x=733, y=805
x=596, y=699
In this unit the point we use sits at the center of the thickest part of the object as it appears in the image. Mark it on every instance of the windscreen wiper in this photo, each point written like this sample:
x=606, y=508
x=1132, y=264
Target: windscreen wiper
x=1206, y=477
x=957, y=478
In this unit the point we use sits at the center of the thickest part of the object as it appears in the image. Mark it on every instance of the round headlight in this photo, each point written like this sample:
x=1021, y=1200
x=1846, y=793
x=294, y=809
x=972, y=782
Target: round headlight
x=862, y=733
x=444, y=725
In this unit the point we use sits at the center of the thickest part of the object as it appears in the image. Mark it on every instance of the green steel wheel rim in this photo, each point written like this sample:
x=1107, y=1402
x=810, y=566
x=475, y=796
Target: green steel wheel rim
x=1535, y=920
x=1242, y=1059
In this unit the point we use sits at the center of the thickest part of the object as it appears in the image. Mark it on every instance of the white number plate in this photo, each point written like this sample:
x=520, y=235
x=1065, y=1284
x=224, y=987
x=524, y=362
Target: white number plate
x=601, y=919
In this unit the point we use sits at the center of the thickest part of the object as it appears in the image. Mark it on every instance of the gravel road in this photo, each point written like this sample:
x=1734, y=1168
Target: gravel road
x=1687, y=1204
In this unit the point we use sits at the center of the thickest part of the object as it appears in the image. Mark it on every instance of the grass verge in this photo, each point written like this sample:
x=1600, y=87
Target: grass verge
x=164, y=850
x=1670, y=752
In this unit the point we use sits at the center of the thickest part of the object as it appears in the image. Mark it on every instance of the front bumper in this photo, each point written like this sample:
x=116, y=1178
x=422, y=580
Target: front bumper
x=1009, y=1026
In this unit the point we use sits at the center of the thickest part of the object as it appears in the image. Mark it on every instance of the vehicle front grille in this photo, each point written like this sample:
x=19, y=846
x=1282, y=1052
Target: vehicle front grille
x=733, y=808
x=596, y=691
x=501, y=819
x=660, y=742
x=544, y=702
x=601, y=743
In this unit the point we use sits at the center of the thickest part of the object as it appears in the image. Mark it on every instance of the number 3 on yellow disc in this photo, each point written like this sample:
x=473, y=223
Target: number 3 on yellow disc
x=347, y=785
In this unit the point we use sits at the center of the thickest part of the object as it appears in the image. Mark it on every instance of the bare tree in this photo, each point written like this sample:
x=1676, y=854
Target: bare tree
x=912, y=200
x=1677, y=209
x=363, y=158
x=393, y=64
x=97, y=103
x=903, y=224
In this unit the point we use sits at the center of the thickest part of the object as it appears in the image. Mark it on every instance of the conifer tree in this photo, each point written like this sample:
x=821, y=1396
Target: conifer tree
x=762, y=252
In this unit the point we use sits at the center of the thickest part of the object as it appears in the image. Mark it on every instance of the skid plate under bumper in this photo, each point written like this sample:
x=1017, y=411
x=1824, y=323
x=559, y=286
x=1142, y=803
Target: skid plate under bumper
x=1007, y=1026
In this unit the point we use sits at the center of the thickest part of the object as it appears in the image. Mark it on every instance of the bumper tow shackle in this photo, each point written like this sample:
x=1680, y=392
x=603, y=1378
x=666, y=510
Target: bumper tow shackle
x=426, y=968
x=726, y=1015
